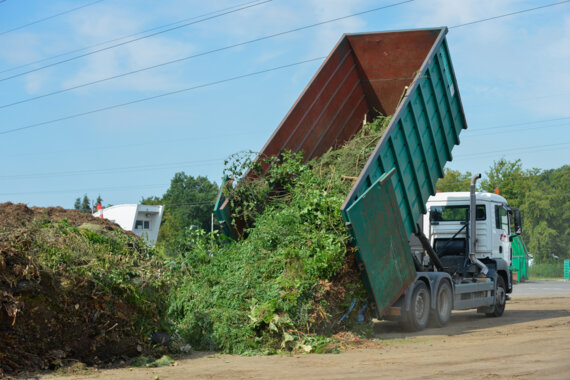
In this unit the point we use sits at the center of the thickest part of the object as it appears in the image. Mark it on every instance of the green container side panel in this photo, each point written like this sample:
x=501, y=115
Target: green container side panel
x=419, y=140
x=567, y=269
x=375, y=223
x=520, y=258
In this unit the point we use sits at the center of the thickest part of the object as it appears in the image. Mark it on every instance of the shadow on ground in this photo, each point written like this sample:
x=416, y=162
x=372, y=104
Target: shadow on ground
x=463, y=322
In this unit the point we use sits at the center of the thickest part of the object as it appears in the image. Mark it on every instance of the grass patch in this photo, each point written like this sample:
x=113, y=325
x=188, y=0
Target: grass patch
x=546, y=271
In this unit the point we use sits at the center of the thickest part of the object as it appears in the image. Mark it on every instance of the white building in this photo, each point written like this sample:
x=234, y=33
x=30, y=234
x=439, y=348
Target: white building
x=143, y=220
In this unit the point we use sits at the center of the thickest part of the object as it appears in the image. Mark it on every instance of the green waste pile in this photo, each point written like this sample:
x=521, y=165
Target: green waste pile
x=294, y=276
x=74, y=288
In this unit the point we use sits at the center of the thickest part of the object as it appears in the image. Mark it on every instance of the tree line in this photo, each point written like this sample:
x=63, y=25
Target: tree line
x=189, y=203
x=543, y=196
x=86, y=205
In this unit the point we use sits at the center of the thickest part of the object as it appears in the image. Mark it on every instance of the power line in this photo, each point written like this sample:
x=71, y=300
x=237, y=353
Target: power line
x=217, y=50
x=494, y=133
x=74, y=116
x=209, y=51
x=523, y=123
x=130, y=41
x=509, y=14
x=49, y=17
x=223, y=48
x=35, y=152
x=110, y=170
x=122, y=38
x=191, y=204
x=99, y=189
x=461, y=158
x=534, y=148
x=519, y=149
x=165, y=165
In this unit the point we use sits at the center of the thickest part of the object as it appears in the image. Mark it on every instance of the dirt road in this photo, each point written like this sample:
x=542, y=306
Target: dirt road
x=531, y=340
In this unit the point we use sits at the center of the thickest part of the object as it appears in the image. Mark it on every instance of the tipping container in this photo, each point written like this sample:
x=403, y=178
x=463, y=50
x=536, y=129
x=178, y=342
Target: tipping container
x=406, y=74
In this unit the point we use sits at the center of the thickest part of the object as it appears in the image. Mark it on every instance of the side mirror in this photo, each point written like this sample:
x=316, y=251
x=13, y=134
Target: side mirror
x=435, y=216
x=518, y=221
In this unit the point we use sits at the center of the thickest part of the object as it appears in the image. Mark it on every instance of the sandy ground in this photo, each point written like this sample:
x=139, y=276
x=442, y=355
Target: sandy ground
x=531, y=340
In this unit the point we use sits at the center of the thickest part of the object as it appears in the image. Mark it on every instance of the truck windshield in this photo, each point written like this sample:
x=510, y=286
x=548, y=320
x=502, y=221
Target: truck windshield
x=454, y=213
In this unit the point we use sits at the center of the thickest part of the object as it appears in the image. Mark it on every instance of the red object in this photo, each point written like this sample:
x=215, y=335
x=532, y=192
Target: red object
x=365, y=74
x=497, y=190
x=99, y=207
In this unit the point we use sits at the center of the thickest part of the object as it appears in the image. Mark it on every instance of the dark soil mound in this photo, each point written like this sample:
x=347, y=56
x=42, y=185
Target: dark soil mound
x=71, y=294
x=18, y=215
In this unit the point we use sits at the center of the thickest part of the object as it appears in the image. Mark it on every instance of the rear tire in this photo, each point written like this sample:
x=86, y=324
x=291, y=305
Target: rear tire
x=500, y=298
x=443, y=305
x=417, y=317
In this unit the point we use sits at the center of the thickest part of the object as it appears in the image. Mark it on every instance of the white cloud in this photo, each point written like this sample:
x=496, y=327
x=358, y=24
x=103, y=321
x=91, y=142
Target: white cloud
x=328, y=34
x=114, y=22
x=505, y=59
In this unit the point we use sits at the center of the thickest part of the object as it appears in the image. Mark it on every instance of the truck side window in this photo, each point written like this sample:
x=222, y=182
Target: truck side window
x=501, y=218
x=455, y=213
x=480, y=213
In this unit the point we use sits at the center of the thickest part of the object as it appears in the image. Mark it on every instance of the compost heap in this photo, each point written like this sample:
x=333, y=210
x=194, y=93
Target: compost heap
x=293, y=281
x=72, y=288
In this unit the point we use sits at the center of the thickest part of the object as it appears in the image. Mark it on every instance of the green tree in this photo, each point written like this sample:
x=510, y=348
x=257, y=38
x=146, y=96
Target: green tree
x=83, y=205
x=544, y=200
x=189, y=201
x=454, y=180
x=511, y=179
x=547, y=215
x=77, y=205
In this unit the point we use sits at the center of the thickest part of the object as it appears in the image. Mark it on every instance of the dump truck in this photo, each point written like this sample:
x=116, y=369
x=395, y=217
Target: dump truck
x=409, y=75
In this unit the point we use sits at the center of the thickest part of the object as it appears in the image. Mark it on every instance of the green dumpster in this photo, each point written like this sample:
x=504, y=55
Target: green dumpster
x=519, y=265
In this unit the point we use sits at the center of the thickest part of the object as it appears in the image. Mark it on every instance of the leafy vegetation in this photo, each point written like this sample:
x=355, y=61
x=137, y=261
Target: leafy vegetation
x=188, y=203
x=293, y=276
x=454, y=180
x=87, y=291
x=116, y=263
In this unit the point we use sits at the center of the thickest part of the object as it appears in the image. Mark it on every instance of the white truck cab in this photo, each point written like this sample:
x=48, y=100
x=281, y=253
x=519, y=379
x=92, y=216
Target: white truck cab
x=446, y=223
x=462, y=258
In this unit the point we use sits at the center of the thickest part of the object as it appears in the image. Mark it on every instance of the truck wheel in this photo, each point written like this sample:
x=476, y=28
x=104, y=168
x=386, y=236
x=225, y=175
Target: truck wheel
x=417, y=317
x=443, y=305
x=500, y=298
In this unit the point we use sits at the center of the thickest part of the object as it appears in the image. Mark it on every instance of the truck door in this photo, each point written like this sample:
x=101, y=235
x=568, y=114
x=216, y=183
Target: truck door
x=501, y=245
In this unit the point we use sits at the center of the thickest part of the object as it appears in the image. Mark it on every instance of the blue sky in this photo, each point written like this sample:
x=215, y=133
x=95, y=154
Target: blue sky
x=513, y=75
